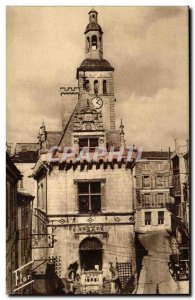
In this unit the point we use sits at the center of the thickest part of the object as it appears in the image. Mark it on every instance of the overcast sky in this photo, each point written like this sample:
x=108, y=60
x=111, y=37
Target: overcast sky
x=147, y=46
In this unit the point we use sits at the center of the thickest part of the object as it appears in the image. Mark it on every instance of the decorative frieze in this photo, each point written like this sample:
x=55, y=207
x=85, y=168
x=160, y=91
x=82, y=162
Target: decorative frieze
x=89, y=220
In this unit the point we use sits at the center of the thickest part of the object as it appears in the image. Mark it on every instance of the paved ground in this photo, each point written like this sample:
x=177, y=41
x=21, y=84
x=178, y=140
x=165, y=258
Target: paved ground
x=155, y=276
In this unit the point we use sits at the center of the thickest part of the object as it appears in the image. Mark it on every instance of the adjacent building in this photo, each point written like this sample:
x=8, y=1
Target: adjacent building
x=152, y=191
x=180, y=192
x=13, y=175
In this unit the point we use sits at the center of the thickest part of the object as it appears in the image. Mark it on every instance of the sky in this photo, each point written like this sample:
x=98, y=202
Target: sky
x=147, y=46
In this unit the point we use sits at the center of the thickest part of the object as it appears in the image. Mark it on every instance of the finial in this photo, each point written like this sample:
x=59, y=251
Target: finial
x=122, y=134
x=121, y=127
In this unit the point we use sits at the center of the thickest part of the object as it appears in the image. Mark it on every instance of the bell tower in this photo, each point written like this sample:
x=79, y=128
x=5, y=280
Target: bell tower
x=89, y=109
x=93, y=37
x=96, y=75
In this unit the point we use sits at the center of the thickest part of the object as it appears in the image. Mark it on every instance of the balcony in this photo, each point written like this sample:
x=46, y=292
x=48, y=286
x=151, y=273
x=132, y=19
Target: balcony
x=91, y=281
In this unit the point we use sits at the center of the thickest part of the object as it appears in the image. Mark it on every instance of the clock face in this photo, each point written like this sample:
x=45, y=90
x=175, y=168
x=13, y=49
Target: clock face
x=98, y=102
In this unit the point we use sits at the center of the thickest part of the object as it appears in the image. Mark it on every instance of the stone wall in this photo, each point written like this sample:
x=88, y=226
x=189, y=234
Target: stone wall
x=62, y=189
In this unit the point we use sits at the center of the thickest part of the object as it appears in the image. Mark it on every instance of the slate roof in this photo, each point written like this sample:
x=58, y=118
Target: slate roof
x=94, y=27
x=155, y=155
x=89, y=64
x=53, y=138
x=25, y=157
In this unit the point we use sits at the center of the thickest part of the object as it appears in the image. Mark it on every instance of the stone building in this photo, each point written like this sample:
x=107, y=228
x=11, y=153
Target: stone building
x=85, y=197
x=24, y=156
x=180, y=192
x=152, y=190
x=13, y=175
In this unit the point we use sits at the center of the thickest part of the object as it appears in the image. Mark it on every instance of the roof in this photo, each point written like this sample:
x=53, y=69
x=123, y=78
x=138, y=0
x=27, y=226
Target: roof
x=26, y=147
x=93, y=11
x=12, y=169
x=89, y=64
x=93, y=26
x=25, y=157
x=155, y=155
x=53, y=138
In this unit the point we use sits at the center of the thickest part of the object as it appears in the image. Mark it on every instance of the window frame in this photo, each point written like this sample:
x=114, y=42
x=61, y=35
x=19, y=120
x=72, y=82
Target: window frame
x=143, y=181
x=91, y=149
x=149, y=221
x=162, y=218
x=159, y=183
x=89, y=194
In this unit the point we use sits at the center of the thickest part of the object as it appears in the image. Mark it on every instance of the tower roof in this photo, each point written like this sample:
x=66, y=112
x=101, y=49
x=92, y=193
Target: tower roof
x=93, y=11
x=93, y=26
x=95, y=65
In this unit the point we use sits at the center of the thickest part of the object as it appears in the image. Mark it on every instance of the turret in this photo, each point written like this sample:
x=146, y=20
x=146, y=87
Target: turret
x=93, y=37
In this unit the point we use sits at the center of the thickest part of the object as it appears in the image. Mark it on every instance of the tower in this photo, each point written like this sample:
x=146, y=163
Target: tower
x=96, y=75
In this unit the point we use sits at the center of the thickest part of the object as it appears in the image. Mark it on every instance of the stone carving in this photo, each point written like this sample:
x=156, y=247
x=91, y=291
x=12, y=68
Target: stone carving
x=117, y=219
x=90, y=229
x=88, y=119
x=90, y=220
x=131, y=219
x=62, y=221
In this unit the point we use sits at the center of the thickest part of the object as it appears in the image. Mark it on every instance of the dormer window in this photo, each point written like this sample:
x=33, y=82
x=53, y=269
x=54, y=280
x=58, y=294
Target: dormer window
x=89, y=142
x=94, y=42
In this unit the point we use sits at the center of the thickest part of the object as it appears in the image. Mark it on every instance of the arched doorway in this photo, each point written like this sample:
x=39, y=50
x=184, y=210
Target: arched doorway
x=90, y=254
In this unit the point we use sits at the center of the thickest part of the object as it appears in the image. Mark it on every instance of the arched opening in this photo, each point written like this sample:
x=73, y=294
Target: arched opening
x=96, y=87
x=104, y=87
x=86, y=86
x=88, y=44
x=90, y=254
x=94, y=42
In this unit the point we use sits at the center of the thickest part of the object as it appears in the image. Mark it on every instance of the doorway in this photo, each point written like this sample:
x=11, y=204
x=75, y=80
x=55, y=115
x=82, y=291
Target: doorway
x=90, y=254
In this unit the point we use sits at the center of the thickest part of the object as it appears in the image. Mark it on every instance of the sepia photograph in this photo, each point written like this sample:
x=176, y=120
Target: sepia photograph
x=97, y=150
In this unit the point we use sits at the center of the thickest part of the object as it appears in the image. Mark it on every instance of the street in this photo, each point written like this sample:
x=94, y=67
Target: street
x=155, y=277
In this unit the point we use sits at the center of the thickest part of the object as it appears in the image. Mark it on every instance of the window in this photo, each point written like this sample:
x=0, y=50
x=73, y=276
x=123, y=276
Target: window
x=86, y=85
x=90, y=143
x=147, y=200
x=159, y=181
x=89, y=197
x=104, y=87
x=146, y=181
x=94, y=42
x=148, y=218
x=160, y=217
x=160, y=198
x=96, y=87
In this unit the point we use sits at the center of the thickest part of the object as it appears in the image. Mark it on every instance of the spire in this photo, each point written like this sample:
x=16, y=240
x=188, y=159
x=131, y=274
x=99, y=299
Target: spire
x=122, y=134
